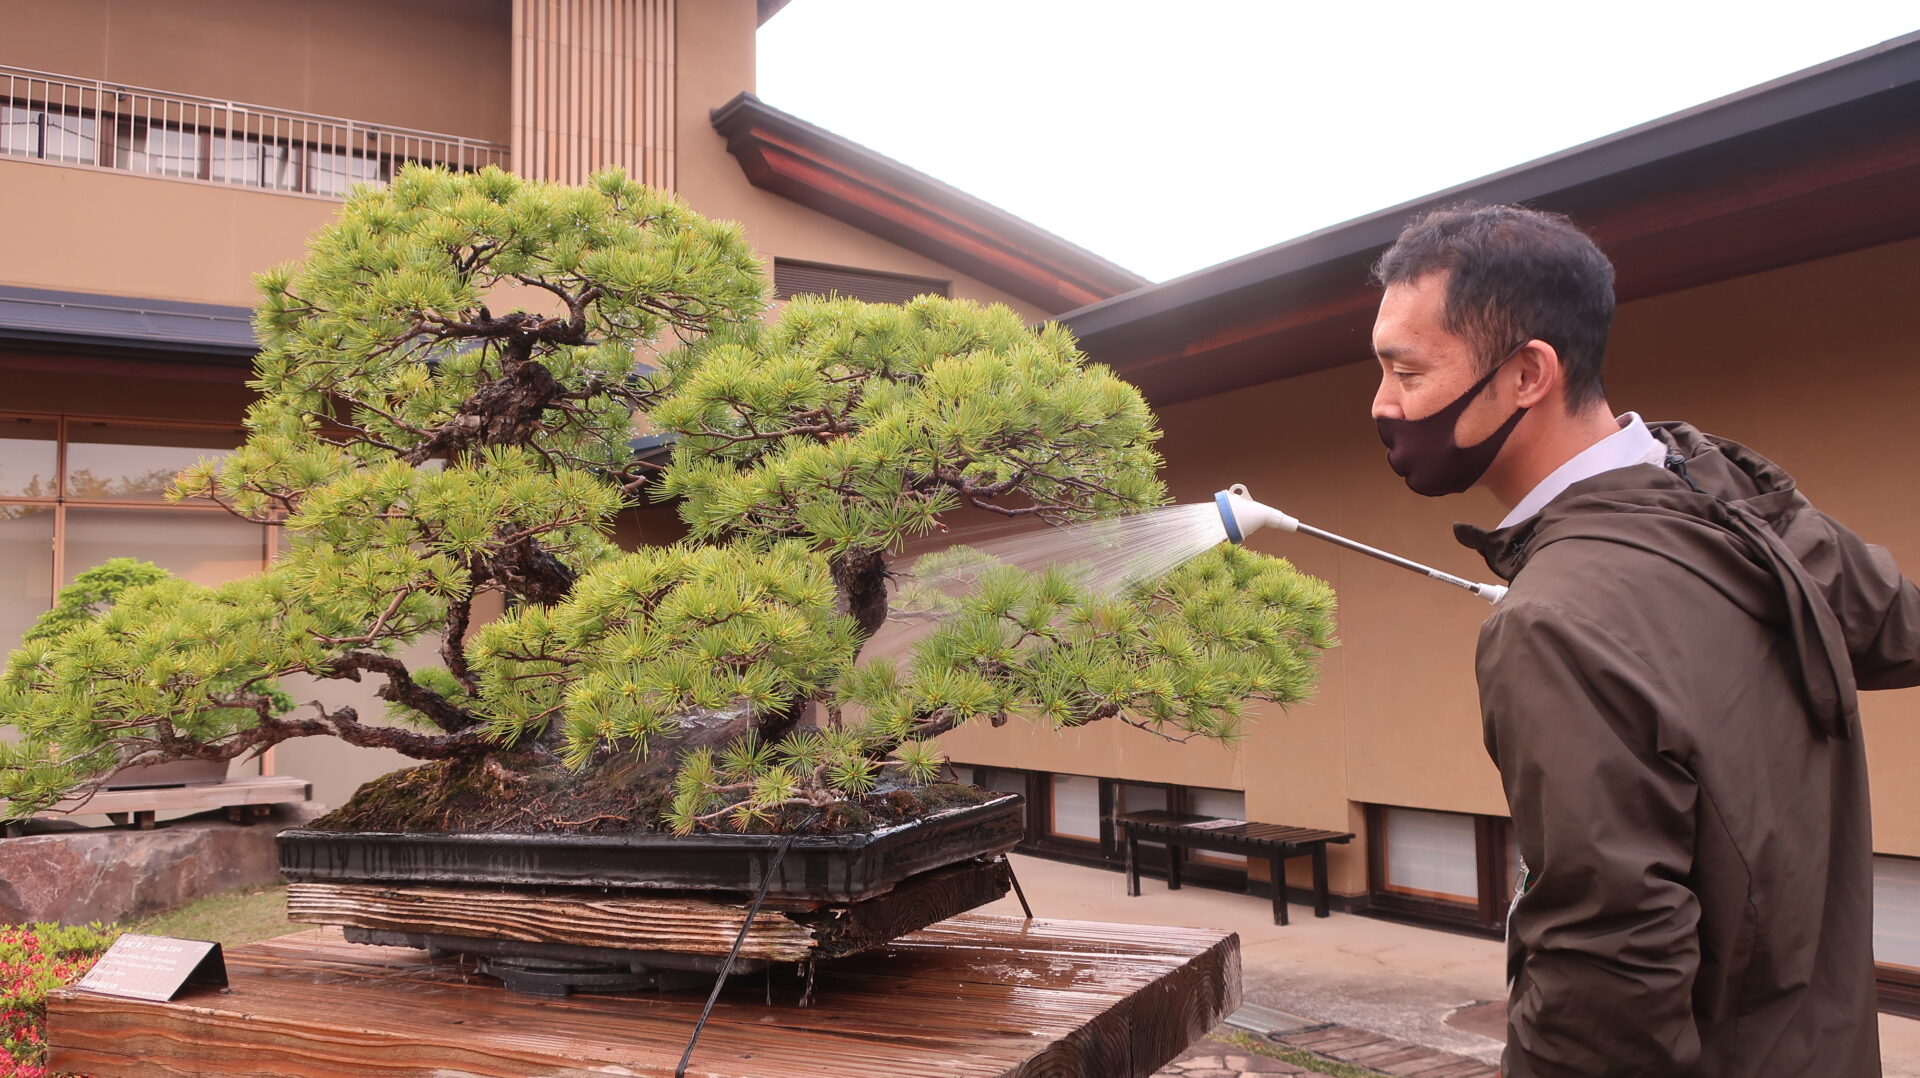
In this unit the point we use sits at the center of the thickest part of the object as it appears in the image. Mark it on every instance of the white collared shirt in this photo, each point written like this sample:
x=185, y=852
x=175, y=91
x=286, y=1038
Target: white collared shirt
x=1632, y=444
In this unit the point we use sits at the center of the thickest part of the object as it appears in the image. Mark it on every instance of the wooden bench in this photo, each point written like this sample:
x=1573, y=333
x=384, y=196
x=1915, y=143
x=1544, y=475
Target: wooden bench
x=1273, y=842
x=243, y=798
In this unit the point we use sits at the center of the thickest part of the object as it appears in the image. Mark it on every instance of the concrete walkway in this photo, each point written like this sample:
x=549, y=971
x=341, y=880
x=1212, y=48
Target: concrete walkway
x=1395, y=981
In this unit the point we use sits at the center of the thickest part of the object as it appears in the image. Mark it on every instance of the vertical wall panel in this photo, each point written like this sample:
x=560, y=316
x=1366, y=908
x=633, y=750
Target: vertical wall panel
x=593, y=85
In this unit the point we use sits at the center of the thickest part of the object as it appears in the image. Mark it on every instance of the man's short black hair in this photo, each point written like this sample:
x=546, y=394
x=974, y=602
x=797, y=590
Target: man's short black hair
x=1514, y=275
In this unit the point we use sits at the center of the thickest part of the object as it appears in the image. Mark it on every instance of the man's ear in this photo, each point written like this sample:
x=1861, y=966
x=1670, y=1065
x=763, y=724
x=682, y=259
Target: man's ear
x=1539, y=366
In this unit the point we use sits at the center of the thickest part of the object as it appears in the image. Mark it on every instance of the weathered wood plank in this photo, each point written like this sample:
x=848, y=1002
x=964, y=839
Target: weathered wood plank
x=686, y=925
x=975, y=997
x=784, y=932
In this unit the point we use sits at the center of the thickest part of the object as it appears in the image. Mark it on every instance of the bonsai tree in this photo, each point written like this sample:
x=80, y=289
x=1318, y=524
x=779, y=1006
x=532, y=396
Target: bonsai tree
x=449, y=386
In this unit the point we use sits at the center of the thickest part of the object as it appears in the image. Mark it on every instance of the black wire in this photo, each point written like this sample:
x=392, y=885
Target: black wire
x=766, y=881
x=1017, y=892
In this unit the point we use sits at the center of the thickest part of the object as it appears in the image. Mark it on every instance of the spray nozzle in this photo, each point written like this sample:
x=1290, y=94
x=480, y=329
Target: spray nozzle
x=1242, y=516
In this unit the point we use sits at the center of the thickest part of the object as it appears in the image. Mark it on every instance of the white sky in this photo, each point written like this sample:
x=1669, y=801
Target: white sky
x=1170, y=136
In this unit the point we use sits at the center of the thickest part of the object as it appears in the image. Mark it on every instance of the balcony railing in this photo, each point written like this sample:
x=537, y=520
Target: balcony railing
x=85, y=122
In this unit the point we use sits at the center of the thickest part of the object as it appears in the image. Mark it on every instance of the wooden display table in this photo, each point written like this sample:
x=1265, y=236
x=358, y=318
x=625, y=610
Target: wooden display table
x=237, y=796
x=1274, y=842
x=975, y=996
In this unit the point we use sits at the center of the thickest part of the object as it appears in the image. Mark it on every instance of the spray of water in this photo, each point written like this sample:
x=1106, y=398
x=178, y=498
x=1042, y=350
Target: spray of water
x=1106, y=557
x=1109, y=556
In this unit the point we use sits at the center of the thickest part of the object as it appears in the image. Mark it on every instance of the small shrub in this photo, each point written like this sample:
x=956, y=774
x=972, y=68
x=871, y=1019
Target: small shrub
x=34, y=959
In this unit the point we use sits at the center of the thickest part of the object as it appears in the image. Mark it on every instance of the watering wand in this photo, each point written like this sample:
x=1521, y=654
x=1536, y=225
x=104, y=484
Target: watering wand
x=1242, y=515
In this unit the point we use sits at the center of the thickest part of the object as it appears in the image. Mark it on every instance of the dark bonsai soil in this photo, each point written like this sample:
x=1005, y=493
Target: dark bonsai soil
x=529, y=795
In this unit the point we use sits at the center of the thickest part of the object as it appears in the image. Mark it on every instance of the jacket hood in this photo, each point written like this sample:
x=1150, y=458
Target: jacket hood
x=1722, y=512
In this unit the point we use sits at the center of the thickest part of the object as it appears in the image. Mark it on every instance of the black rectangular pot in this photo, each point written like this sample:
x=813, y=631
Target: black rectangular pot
x=830, y=868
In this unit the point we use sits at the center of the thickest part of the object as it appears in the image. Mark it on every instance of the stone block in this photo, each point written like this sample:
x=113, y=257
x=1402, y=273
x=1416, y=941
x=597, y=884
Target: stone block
x=112, y=874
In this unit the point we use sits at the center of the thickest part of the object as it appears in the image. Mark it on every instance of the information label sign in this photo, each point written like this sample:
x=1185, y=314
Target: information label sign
x=154, y=967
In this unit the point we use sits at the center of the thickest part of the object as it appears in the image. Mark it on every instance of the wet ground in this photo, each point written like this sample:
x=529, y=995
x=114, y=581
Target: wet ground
x=1397, y=984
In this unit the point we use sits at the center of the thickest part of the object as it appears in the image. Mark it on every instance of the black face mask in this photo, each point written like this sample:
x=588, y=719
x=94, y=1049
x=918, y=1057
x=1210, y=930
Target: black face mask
x=1422, y=451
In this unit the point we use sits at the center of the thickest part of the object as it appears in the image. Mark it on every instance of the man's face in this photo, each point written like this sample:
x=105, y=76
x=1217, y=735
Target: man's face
x=1424, y=367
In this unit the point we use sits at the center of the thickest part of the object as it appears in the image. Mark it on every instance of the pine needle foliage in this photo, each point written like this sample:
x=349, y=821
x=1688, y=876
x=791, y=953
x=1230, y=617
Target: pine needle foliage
x=855, y=425
x=449, y=383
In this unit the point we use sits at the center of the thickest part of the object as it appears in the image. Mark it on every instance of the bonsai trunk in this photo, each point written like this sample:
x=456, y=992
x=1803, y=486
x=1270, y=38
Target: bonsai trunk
x=860, y=577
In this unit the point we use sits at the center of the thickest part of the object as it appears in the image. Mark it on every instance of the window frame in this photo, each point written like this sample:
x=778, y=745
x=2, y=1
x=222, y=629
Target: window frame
x=1898, y=986
x=1487, y=916
x=59, y=502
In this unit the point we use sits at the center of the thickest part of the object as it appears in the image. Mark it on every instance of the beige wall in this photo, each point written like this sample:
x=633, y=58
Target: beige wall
x=434, y=65
x=117, y=233
x=1812, y=365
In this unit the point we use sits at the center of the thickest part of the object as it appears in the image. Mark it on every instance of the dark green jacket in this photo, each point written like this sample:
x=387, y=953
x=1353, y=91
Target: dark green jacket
x=1669, y=693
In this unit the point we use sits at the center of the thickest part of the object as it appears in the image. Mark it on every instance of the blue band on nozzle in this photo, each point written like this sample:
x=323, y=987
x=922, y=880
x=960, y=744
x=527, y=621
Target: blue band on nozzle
x=1226, y=516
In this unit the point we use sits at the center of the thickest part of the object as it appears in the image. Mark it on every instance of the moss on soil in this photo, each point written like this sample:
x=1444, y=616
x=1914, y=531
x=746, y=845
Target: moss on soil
x=525, y=795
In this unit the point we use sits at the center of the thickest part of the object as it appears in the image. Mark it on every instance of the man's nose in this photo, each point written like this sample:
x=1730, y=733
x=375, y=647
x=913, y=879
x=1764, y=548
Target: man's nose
x=1386, y=402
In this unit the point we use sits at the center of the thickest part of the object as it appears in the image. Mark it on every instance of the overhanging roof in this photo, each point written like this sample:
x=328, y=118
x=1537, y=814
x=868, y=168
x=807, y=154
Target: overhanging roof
x=199, y=331
x=819, y=169
x=1818, y=163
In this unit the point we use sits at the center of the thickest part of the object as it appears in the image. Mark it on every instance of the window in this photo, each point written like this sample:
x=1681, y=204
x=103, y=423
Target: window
x=134, y=462
x=1449, y=868
x=1135, y=797
x=26, y=569
x=1003, y=780
x=330, y=172
x=1227, y=805
x=1896, y=933
x=792, y=278
x=48, y=134
x=1896, y=912
x=76, y=491
x=1069, y=818
x=1075, y=808
x=1431, y=855
x=160, y=151
x=186, y=137
x=256, y=162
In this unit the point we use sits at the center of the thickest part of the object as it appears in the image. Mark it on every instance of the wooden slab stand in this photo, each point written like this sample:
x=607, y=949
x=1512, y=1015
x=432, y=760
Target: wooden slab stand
x=784, y=931
x=976, y=996
x=142, y=804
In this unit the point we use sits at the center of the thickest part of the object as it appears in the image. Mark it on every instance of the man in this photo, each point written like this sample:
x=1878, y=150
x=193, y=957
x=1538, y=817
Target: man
x=1668, y=689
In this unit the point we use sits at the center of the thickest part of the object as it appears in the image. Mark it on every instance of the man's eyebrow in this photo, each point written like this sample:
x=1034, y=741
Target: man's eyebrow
x=1389, y=352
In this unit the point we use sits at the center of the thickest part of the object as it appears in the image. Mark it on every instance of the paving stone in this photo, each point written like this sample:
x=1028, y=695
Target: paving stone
x=1417, y=1061
x=1269, y=1065
x=1383, y=1049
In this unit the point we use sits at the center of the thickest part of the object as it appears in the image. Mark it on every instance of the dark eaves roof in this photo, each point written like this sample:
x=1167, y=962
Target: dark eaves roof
x=819, y=169
x=1820, y=162
x=200, y=331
